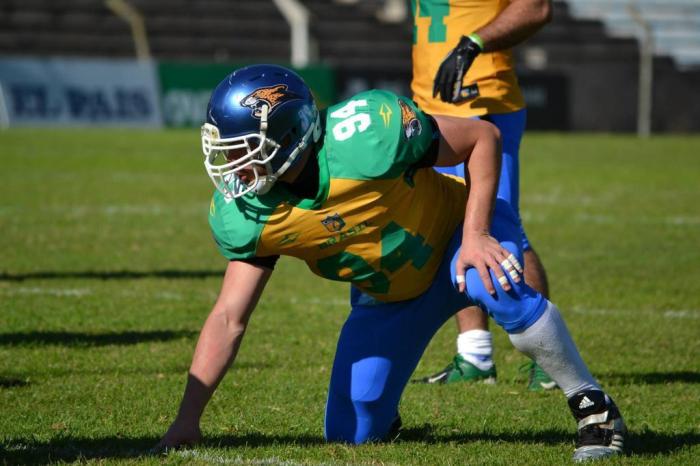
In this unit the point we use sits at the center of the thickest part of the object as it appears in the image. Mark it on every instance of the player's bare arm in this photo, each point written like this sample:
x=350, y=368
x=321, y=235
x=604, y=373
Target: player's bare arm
x=478, y=144
x=517, y=22
x=217, y=347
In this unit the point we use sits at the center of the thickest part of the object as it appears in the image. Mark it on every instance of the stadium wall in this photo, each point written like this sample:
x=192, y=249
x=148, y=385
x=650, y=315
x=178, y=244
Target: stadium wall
x=79, y=92
x=119, y=92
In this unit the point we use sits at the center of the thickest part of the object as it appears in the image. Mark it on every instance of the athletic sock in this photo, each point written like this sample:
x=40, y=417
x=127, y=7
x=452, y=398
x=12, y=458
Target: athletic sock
x=476, y=347
x=549, y=344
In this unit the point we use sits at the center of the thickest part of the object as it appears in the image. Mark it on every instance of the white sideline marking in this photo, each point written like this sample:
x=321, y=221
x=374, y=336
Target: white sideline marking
x=73, y=211
x=686, y=314
x=77, y=292
x=679, y=220
x=684, y=220
x=168, y=295
x=220, y=459
x=669, y=313
x=325, y=302
x=599, y=219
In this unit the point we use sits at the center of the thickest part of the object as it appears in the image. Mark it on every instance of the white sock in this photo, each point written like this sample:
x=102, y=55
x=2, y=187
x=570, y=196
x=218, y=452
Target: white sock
x=476, y=347
x=549, y=344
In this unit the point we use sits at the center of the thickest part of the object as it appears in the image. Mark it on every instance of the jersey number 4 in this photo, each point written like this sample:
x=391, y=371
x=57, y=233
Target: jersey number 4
x=436, y=11
x=399, y=247
x=351, y=120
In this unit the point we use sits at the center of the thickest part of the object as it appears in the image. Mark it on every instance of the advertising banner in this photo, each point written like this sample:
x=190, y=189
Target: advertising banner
x=78, y=92
x=186, y=88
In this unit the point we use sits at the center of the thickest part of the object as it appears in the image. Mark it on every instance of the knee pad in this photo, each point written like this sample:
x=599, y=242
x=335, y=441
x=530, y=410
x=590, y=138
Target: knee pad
x=514, y=310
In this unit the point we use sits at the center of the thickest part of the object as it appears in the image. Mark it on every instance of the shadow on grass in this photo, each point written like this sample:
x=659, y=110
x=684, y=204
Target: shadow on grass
x=6, y=382
x=110, y=275
x=649, y=443
x=646, y=443
x=91, y=339
x=426, y=434
x=68, y=449
x=652, y=378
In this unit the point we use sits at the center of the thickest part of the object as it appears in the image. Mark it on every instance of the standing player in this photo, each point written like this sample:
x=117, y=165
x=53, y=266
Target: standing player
x=462, y=66
x=353, y=194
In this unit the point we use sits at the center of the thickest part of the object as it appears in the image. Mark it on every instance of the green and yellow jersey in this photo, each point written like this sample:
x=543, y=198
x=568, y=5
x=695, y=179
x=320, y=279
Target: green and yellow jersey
x=437, y=27
x=377, y=219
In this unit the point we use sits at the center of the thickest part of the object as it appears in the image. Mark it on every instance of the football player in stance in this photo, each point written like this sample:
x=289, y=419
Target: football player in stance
x=352, y=192
x=463, y=66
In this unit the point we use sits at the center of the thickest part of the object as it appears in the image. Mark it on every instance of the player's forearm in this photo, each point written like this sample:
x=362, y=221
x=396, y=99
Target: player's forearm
x=216, y=349
x=516, y=23
x=483, y=168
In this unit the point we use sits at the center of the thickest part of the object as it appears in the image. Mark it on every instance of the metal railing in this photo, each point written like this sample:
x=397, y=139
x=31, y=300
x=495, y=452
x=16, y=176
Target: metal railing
x=297, y=16
x=132, y=16
x=645, y=95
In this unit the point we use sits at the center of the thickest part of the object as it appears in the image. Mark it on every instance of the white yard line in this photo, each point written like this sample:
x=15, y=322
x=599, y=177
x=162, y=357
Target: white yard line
x=38, y=290
x=74, y=211
x=221, y=459
x=603, y=219
x=668, y=313
x=317, y=301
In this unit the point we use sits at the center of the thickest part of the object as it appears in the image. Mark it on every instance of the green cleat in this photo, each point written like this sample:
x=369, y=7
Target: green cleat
x=538, y=379
x=459, y=370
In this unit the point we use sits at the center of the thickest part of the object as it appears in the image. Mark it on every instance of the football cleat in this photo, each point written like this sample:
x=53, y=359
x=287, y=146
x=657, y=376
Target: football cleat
x=601, y=429
x=538, y=379
x=460, y=370
x=394, y=430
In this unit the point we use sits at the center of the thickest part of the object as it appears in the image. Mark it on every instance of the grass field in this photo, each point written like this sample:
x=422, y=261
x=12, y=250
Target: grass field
x=107, y=271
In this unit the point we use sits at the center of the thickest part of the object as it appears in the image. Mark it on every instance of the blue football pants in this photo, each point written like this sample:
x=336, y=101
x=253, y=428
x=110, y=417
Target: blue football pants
x=380, y=344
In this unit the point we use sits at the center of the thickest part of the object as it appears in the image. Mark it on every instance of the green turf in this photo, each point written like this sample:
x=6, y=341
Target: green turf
x=107, y=271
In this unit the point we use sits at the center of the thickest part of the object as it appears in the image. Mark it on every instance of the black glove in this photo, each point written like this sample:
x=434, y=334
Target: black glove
x=448, y=79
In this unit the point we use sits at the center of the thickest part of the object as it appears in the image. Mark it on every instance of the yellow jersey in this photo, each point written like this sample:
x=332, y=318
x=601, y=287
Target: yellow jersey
x=437, y=27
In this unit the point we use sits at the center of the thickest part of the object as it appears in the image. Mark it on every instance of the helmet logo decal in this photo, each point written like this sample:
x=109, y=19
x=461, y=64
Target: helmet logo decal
x=272, y=96
x=411, y=124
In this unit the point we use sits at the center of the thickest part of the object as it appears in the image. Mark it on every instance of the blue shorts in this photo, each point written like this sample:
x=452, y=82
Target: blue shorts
x=381, y=343
x=511, y=126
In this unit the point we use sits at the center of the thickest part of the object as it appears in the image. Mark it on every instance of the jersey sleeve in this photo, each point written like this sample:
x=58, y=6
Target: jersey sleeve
x=377, y=134
x=418, y=134
x=235, y=235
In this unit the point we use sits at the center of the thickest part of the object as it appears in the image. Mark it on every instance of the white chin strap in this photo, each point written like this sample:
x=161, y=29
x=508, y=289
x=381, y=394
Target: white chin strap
x=314, y=132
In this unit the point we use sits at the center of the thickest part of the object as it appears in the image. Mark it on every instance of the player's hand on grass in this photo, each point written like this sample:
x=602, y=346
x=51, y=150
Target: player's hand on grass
x=448, y=79
x=180, y=434
x=483, y=252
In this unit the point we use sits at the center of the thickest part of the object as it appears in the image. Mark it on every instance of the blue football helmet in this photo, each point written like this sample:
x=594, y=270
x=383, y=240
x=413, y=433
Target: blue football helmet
x=259, y=120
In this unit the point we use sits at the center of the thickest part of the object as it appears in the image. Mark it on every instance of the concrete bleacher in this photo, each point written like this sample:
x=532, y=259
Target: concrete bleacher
x=675, y=24
x=350, y=36
x=178, y=29
x=599, y=62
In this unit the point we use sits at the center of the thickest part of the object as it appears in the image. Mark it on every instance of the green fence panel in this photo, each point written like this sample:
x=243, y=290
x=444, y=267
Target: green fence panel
x=186, y=87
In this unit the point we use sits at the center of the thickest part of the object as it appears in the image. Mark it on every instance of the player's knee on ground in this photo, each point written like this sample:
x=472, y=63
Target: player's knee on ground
x=360, y=407
x=356, y=426
x=355, y=422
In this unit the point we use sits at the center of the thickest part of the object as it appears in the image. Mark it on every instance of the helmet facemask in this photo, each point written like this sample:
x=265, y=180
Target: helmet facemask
x=257, y=152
